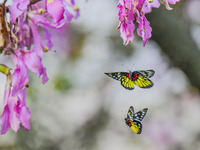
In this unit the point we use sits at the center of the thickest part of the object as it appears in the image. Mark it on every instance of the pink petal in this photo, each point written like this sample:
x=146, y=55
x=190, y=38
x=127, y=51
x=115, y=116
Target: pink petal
x=127, y=32
x=15, y=110
x=17, y=8
x=25, y=116
x=173, y=1
x=34, y=63
x=55, y=9
x=24, y=113
x=69, y=15
x=126, y=18
x=14, y=118
x=22, y=97
x=7, y=92
x=39, y=19
x=47, y=36
x=72, y=2
x=44, y=77
x=147, y=7
x=144, y=29
x=167, y=4
x=37, y=40
x=4, y=120
x=19, y=78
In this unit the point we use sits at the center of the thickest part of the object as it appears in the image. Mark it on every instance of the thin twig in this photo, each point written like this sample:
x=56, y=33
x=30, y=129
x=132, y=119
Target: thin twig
x=34, y=1
x=4, y=1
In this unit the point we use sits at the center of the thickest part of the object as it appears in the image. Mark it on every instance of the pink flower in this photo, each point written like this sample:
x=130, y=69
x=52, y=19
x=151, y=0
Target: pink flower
x=31, y=61
x=126, y=18
x=15, y=110
x=166, y=3
x=147, y=6
x=57, y=9
x=27, y=47
x=130, y=10
x=144, y=29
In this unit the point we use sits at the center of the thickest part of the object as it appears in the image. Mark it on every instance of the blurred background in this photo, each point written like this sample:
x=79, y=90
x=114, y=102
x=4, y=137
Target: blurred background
x=80, y=108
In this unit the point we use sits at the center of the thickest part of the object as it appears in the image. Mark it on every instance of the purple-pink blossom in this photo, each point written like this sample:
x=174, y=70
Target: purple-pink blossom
x=133, y=12
x=27, y=46
x=126, y=17
x=166, y=3
x=14, y=109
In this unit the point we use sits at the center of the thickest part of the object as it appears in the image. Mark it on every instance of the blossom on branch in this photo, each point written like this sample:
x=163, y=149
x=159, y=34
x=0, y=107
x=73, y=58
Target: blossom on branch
x=26, y=45
x=133, y=12
x=14, y=109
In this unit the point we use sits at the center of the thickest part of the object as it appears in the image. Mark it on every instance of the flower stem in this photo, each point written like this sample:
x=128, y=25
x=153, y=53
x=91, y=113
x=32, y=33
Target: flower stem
x=4, y=69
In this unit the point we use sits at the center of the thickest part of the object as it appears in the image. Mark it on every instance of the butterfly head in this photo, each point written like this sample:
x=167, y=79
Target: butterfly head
x=128, y=122
x=130, y=73
x=134, y=75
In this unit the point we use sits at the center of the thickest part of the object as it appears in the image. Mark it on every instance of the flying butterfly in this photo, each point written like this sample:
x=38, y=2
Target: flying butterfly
x=133, y=120
x=139, y=78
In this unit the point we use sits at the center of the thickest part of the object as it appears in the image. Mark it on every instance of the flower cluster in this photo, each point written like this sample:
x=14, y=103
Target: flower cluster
x=23, y=41
x=131, y=11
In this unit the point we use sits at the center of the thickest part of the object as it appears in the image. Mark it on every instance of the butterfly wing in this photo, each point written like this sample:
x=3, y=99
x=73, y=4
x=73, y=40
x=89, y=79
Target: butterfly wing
x=127, y=82
x=136, y=126
x=133, y=120
x=116, y=75
x=147, y=73
x=142, y=81
x=130, y=114
x=124, y=77
x=138, y=116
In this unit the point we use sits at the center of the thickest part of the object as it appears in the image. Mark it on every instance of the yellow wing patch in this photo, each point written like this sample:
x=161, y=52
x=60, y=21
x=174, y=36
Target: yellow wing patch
x=143, y=82
x=134, y=127
x=127, y=83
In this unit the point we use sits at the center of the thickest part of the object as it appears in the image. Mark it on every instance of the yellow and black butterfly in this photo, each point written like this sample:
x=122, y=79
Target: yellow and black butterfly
x=128, y=79
x=133, y=120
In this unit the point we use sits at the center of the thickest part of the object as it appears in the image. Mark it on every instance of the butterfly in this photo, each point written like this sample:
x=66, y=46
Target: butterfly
x=133, y=120
x=139, y=78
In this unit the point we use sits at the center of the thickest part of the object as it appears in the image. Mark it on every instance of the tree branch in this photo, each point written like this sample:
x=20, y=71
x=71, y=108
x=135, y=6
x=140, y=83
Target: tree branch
x=173, y=35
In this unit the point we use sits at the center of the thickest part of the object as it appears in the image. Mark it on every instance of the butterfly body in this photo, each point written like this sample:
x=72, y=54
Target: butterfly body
x=133, y=120
x=139, y=78
x=135, y=126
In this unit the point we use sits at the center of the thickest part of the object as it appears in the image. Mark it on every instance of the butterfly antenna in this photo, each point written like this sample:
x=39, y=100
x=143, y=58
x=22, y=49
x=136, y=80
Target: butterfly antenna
x=123, y=112
x=124, y=66
x=124, y=116
x=133, y=65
